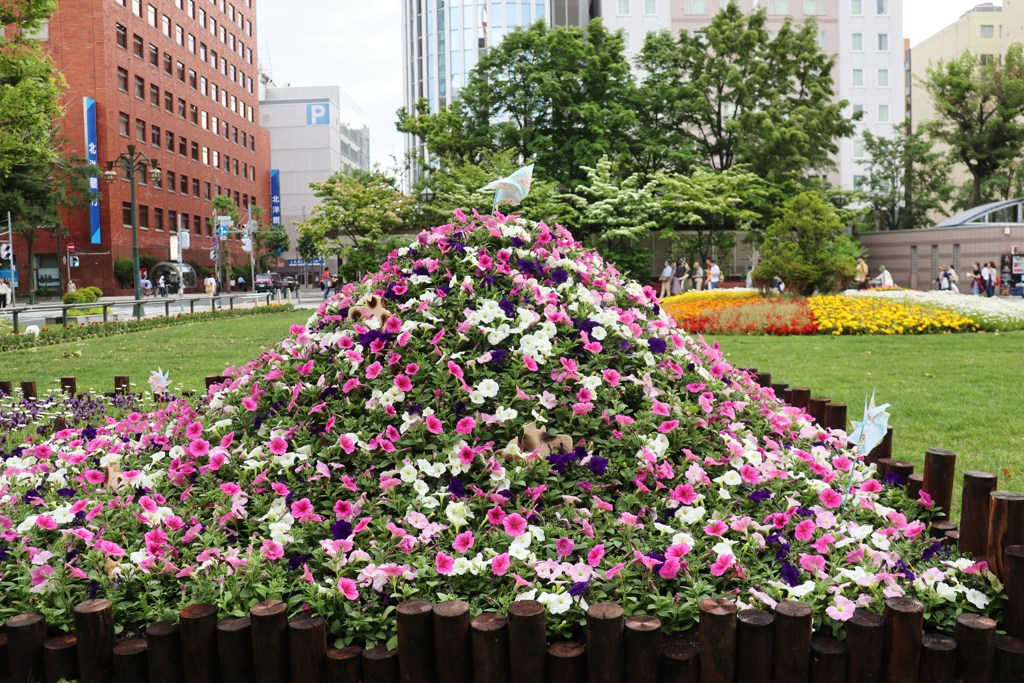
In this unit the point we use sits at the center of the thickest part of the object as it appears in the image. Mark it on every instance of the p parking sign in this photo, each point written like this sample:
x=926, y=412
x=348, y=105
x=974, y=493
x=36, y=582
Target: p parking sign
x=318, y=114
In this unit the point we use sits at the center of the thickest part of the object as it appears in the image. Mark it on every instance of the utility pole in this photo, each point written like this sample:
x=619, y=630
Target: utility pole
x=10, y=241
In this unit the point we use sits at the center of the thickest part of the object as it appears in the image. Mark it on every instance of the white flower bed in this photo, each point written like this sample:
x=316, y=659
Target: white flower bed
x=997, y=313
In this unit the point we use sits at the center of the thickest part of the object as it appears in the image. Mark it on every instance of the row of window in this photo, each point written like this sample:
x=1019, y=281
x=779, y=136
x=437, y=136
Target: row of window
x=177, y=69
x=883, y=115
x=881, y=78
x=857, y=42
x=650, y=6
x=784, y=7
x=207, y=23
x=194, y=221
x=185, y=149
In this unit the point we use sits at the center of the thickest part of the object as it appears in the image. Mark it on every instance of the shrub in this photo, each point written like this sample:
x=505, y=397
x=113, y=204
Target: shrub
x=123, y=273
x=97, y=292
x=81, y=296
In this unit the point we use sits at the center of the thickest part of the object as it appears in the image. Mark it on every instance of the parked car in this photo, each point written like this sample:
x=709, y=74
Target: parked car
x=290, y=283
x=267, y=282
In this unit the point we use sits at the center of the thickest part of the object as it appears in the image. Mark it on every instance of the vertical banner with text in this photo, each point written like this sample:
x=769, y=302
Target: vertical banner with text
x=275, y=196
x=92, y=156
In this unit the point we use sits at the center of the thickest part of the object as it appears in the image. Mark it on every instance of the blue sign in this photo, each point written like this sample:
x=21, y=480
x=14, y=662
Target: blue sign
x=275, y=196
x=6, y=273
x=93, y=157
x=318, y=114
x=301, y=262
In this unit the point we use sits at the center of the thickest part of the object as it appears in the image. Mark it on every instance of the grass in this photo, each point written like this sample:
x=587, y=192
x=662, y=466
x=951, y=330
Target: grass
x=961, y=392
x=189, y=352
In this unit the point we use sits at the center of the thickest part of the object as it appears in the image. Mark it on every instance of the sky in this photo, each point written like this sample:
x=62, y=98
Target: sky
x=357, y=45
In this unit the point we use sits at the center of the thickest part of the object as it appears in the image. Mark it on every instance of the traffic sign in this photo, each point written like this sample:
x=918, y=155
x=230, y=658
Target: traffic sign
x=214, y=240
x=71, y=246
x=5, y=251
x=222, y=231
x=213, y=254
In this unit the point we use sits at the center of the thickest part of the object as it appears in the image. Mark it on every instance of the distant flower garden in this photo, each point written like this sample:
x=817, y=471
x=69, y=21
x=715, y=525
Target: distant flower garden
x=889, y=311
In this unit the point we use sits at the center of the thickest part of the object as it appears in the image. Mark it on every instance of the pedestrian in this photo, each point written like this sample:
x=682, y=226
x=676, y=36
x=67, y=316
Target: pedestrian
x=161, y=284
x=861, y=278
x=988, y=279
x=325, y=282
x=714, y=274
x=885, y=278
x=977, y=286
x=5, y=292
x=209, y=285
x=677, y=278
x=687, y=281
x=147, y=286
x=241, y=283
x=698, y=276
x=749, y=283
x=666, y=280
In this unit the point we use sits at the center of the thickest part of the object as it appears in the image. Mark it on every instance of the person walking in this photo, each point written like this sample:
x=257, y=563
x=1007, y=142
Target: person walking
x=325, y=282
x=5, y=292
x=666, y=280
x=861, y=278
x=714, y=274
x=976, y=285
x=988, y=278
x=241, y=283
x=677, y=278
x=161, y=285
x=698, y=276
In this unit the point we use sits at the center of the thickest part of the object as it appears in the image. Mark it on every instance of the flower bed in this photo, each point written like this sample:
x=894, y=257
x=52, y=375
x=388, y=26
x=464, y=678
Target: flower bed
x=990, y=314
x=838, y=314
x=496, y=416
x=781, y=317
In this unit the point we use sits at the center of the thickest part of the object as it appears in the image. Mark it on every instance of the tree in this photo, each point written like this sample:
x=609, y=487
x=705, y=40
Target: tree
x=741, y=96
x=307, y=247
x=268, y=241
x=905, y=179
x=558, y=96
x=806, y=248
x=357, y=210
x=978, y=108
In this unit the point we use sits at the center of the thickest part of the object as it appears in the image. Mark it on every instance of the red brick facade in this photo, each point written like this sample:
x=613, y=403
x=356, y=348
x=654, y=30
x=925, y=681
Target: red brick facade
x=149, y=64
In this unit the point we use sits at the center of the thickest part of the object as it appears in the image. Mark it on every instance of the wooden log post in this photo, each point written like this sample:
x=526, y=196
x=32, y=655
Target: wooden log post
x=1013, y=612
x=416, y=641
x=60, y=658
x=344, y=665
x=792, y=660
x=489, y=636
x=755, y=641
x=882, y=450
x=605, y=624
x=94, y=626
x=940, y=527
x=567, y=661
x=828, y=660
x=307, y=649
x=1006, y=527
x=975, y=507
x=214, y=379
x=903, y=468
x=527, y=641
x=69, y=385
x=6, y=387
x=938, y=658
x=952, y=538
x=163, y=645
x=1009, y=659
x=717, y=641
x=779, y=388
x=198, y=628
x=380, y=665
x=680, y=661
x=131, y=664
x=939, y=475
x=976, y=644
x=26, y=634
x=865, y=637
x=28, y=391
x=800, y=397
x=5, y=660
x=269, y=622
x=816, y=408
x=787, y=395
x=915, y=482
x=764, y=379
x=234, y=649
x=642, y=648
x=452, y=646
x=122, y=385
x=904, y=621
x=835, y=416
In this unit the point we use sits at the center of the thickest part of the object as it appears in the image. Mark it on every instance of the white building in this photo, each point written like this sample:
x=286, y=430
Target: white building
x=635, y=18
x=314, y=133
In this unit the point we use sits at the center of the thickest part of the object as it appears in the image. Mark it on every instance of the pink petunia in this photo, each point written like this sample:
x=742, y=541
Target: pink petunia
x=434, y=425
x=805, y=530
x=495, y=515
x=595, y=555
x=46, y=522
x=348, y=588
x=347, y=443
x=403, y=383
x=564, y=546
x=194, y=430
x=668, y=426
x=272, y=550
x=830, y=498
x=303, y=511
x=530, y=363
x=684, y=493
x=722, y=564
x=514, y=525
x=444, y=564
x=670, y=568
x=305, y=368
x=465, y=425
x=716, y=528
x=678, y=551
x=278, y=446
x=198, y=448
x=455, y=370
x=464, y=541
x=250, y=403
x=815, y=564
x=612, y=377
x=749, y=474
x=411, y=369
x=614, y=570
x=373, y=370
x=95, y=476
x=842, y=610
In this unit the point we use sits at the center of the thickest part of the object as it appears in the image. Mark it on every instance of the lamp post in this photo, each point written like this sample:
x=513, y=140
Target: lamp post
x=133, y=162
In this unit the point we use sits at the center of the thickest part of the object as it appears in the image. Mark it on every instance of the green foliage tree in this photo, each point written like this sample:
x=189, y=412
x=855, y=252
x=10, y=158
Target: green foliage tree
x=269, y=241
x=741, y=96
x=357, y=210
x=307, y=246
x=905, y=179
x=558, y=96
x=806, y=248
x=977, y=109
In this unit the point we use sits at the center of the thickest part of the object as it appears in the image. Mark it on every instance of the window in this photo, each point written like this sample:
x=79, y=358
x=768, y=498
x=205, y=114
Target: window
x=195, y=150
x=122, y=36
x=191, y=9
x=179, y=35
x=193, y=112
x=154, y=95
x=137, y=7
x=694, y=7
x=988, y=31
x=883, y=78
x=168, y=101
x=140, y=88
x=183, y=185
x=778, y=6
x=122, y=79
x=215, y=159
x=140, y=130
x=882, y=8
x=883, y=113
x=858, y=111
x=143, y=217
x=158, y=219
x=169, y=141
x=126, y=214
x=858, y=148
x=192, y=79
x=137, y=46
x=206, y=191
x=182, y=108
x=857, y=7
x=168, y=64
x=154, y=56
x=205, y=120
x=857, y=42
x=165, y=25
x=822, y=39
x=123, y=121
x=151, y=15
x=814, y=7
x=623, y=6
x=172, y=186
x=197, y=227
x=195, y=187
x=858, y=182
x=181, y=71
x=883, y=42
x=650, y=7
x=182, y=146
x=986, y=59
x=191, y=43
x=155, y=136
x=858, y=77
x=172, y=220
x=203, y=86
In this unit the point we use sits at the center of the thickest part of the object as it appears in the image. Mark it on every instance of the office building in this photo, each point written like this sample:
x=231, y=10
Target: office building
x=315, y=132
x=176, y=79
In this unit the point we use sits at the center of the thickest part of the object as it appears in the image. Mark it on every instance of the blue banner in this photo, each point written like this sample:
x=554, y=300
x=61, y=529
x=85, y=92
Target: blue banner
x=275, y=196
x=93, y=157
x=6, y=273
x=293, y=262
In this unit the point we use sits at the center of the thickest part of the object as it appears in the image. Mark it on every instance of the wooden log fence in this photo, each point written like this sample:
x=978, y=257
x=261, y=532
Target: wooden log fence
x=441, y=643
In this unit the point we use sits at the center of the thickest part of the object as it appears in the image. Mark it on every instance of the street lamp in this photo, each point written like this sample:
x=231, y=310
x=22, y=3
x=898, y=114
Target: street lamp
x=133, y=162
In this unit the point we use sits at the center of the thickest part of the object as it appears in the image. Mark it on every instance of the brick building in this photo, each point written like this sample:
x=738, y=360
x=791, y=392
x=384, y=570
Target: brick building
x=178, y=79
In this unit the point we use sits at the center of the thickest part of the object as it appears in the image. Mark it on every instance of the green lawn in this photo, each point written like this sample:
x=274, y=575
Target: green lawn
x=961, y=392
x=189, y=352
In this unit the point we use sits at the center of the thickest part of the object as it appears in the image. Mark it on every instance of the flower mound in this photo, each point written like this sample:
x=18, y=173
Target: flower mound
x=496, y=415
x=837, y=314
